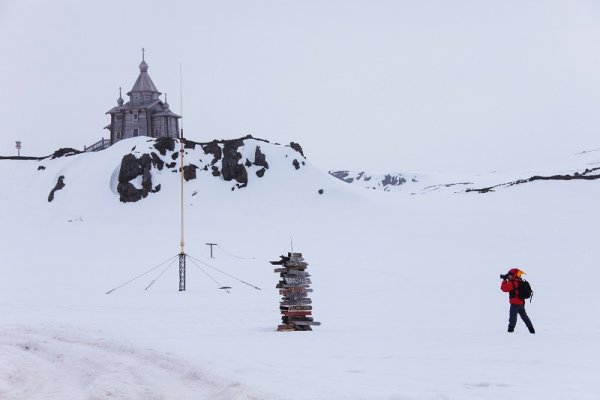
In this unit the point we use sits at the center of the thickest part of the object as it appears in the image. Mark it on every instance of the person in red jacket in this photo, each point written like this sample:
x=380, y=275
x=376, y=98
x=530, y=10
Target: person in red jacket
x=510, y=284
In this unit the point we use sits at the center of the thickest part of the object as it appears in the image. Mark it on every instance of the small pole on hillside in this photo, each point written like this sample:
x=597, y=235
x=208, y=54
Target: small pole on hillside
x=211, y=248
x=18, y=146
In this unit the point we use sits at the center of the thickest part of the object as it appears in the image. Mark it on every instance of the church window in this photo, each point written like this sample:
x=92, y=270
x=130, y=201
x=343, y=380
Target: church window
x=136, y=132
x=135, y=116
x=118, y=135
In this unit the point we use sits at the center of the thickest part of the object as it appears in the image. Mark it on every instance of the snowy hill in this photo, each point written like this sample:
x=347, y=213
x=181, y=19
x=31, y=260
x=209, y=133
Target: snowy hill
x=584, y=166
x=406, y=287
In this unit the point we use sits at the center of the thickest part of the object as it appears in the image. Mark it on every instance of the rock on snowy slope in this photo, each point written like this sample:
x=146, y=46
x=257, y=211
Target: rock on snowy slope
x=384, y=182
x=229, y=160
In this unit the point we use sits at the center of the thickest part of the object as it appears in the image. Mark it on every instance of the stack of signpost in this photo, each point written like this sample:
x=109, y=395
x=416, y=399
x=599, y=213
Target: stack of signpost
x=294, y=286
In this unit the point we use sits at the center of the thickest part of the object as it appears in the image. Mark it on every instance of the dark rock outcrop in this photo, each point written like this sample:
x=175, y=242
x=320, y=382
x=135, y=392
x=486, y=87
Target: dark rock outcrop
x=342, y=175
x=156, y=161
x=296, y=164
x=261, y=172
x=131, y=168
x=189, y=172
x=230, y=167
x=163, y=144
x=588, y=174
x=41, y=168
x=214, y=149
x=65, y=152
x=60, y=183
x=297, y=147
x=260, y=159
x=393, y=180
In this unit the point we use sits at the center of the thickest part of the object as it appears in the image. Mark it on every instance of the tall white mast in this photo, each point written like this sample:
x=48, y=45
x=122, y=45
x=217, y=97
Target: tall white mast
x=181, y=152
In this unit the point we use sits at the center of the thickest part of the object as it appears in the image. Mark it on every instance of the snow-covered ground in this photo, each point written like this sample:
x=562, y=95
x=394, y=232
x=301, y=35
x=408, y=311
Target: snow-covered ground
x=406, y=287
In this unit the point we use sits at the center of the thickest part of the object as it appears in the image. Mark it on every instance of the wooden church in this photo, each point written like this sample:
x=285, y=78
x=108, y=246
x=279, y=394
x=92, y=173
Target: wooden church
x=145, y=114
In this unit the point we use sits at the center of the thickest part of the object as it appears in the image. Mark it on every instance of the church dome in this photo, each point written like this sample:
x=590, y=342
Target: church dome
x=143, y=66
x=120, y=99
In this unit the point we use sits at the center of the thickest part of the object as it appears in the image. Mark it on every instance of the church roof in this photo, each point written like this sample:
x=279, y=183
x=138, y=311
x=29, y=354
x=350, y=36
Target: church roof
x=143, y=82
x=156, y=108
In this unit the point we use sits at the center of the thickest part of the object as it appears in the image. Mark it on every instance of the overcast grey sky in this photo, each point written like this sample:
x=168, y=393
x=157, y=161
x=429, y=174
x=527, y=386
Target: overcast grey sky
x=376, y=85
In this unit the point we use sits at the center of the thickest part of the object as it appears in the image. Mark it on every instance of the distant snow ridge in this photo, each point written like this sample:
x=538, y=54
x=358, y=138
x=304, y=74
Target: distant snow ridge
x=230, y=160
x=386, y=182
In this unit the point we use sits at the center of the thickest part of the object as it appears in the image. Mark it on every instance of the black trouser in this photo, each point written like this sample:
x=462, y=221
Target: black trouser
x=512, y=320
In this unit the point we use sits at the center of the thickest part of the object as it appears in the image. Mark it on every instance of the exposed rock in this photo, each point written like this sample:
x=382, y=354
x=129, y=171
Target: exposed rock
x=248, y=163
x=230, y=169
x=588, y=174
x=260, y=159
x=215, y=171
x=131, y=168
x=214, y=149
x=163, y=144
x=65, y=152
x=128, y=193
x=156, y=161
x=385, y=182
x=60, y=183
x=188, y=144
x=189, y=172
x=342, y=175
x=297, y=147
x=321, y=191
x=296, y=164
x=156, y=189
x=260, y=173
x=175, y=155
x=41, y=168
x=171, y=165
x=393, y=180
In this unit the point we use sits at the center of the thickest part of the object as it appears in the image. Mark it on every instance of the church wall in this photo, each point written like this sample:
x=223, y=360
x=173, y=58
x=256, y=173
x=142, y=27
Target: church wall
x=172, y=121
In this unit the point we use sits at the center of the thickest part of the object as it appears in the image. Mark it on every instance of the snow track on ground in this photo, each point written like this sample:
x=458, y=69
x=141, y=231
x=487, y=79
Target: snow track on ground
x=66, y=364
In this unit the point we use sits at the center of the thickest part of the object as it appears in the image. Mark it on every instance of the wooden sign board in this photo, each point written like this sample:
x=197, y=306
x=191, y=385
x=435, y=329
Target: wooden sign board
x=297, y=281
x=295, y=273
x=297, y=313
x=286, y=328
x=296, y=264
x=299, y=289
x=296, y=302
x=288, y=286
x=313, y=323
